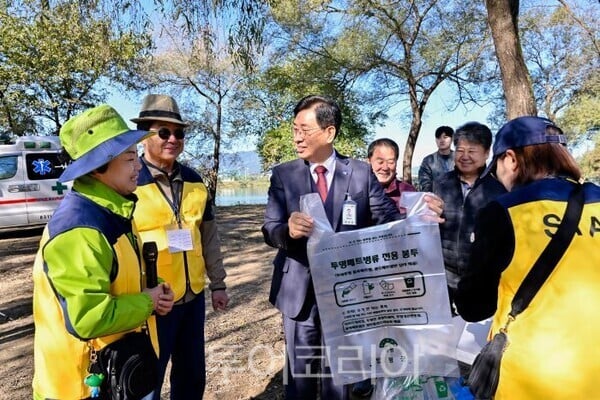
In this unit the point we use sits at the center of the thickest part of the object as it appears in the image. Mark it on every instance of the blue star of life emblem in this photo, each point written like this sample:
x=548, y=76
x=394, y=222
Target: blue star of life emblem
x=41, y=166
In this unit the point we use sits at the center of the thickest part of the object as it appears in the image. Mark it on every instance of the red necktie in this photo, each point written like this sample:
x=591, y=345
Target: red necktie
x=321, y=182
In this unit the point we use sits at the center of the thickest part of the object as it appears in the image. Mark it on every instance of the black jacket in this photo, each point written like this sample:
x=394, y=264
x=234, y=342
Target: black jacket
x=457, y=231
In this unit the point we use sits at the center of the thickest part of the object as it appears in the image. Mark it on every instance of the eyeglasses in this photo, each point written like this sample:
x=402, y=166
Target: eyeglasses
x=304, y=132
x=165, y=133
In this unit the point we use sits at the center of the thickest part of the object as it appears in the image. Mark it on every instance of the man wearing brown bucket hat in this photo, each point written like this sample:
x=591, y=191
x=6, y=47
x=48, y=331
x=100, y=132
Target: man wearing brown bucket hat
x=175, y=211
x=87, y=275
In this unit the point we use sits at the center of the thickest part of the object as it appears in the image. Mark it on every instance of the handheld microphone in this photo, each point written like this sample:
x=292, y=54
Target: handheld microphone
x=150, y=254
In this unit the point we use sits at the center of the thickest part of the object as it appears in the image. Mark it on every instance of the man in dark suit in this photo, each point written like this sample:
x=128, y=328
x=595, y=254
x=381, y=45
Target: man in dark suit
x=317, y=121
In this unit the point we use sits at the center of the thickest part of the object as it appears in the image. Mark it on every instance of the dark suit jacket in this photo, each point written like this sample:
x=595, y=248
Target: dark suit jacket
x=291, y=287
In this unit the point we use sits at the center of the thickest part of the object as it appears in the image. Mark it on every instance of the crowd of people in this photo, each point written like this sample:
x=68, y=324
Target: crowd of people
x=130, y=218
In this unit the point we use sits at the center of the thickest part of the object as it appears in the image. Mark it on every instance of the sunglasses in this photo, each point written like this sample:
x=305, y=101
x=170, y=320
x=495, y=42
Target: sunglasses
x=165, y=133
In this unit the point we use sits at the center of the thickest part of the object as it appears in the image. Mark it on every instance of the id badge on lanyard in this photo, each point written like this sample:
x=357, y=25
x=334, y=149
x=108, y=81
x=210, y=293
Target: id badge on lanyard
x=179, y=238
x=179, y=234
x=349, y=211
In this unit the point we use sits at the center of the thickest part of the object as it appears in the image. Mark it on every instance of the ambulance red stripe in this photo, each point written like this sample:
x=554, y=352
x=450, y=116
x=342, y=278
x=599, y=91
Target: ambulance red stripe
x=31, y=200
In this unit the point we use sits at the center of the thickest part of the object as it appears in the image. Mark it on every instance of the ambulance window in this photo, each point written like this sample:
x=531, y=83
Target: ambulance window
x=8, y=166
x=43, y=166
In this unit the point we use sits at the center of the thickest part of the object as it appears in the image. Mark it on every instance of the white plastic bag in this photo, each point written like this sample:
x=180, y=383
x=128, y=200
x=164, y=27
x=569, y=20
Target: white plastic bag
x=382, y=296
x=474, y=335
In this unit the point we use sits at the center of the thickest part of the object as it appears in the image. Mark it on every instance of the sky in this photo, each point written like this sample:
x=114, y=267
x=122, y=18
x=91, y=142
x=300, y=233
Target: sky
x=436, y=114
x=395, y=128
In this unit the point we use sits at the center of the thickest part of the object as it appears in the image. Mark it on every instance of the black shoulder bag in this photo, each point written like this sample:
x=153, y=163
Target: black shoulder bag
x=485, y=372
x=126, y=369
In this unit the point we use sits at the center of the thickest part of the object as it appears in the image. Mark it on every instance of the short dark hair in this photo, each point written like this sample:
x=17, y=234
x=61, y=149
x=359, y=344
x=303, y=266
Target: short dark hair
x=444, y=130
x=383, y=142
x=327, y=111
x=474, y=132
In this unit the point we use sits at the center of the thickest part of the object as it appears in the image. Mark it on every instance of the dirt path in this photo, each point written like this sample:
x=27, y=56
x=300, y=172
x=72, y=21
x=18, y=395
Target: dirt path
x=244, y=345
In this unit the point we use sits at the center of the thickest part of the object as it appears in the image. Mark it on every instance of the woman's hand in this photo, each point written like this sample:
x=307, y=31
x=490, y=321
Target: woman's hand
x=162, y=298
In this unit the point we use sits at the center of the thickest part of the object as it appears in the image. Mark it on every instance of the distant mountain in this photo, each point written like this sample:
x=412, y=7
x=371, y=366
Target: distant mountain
x=240, y=164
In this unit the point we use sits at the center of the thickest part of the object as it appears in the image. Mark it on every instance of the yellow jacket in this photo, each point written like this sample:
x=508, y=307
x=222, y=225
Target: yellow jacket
x=87, y=286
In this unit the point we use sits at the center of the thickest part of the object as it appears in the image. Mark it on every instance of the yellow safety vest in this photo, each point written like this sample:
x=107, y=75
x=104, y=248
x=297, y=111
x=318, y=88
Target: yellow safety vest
x=153, y=216
x=553, y=350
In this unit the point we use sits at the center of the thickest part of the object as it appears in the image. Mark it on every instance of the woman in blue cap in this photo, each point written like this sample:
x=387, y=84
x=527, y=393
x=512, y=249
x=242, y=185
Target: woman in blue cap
x=552, y=350
x=88, y=286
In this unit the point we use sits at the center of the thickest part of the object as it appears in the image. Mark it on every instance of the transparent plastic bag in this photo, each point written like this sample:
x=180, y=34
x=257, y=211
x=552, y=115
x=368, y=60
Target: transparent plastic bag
x=382, y=296
x=422, y=387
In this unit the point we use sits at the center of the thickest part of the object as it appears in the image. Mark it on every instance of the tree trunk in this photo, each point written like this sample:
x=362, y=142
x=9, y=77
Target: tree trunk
x=518, y=92
x=411, y=141
x=8, y=115
x=216, y=152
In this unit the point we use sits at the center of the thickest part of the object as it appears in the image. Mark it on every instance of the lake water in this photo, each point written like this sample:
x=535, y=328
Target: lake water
x=241, y=195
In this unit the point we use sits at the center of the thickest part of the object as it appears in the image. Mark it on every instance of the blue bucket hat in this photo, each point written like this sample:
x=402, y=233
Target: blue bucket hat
x=95, y=137
x=521, y=132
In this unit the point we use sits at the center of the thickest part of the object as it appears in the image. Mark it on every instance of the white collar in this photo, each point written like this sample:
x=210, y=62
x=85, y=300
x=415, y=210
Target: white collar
x=329, y=164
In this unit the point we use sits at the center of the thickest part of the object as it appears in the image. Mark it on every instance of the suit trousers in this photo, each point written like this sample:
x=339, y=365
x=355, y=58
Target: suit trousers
x=181, y=338
x=306, y=365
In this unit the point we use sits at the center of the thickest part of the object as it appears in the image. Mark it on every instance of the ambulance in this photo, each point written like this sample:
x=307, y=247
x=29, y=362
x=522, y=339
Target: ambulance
x=29, y=187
